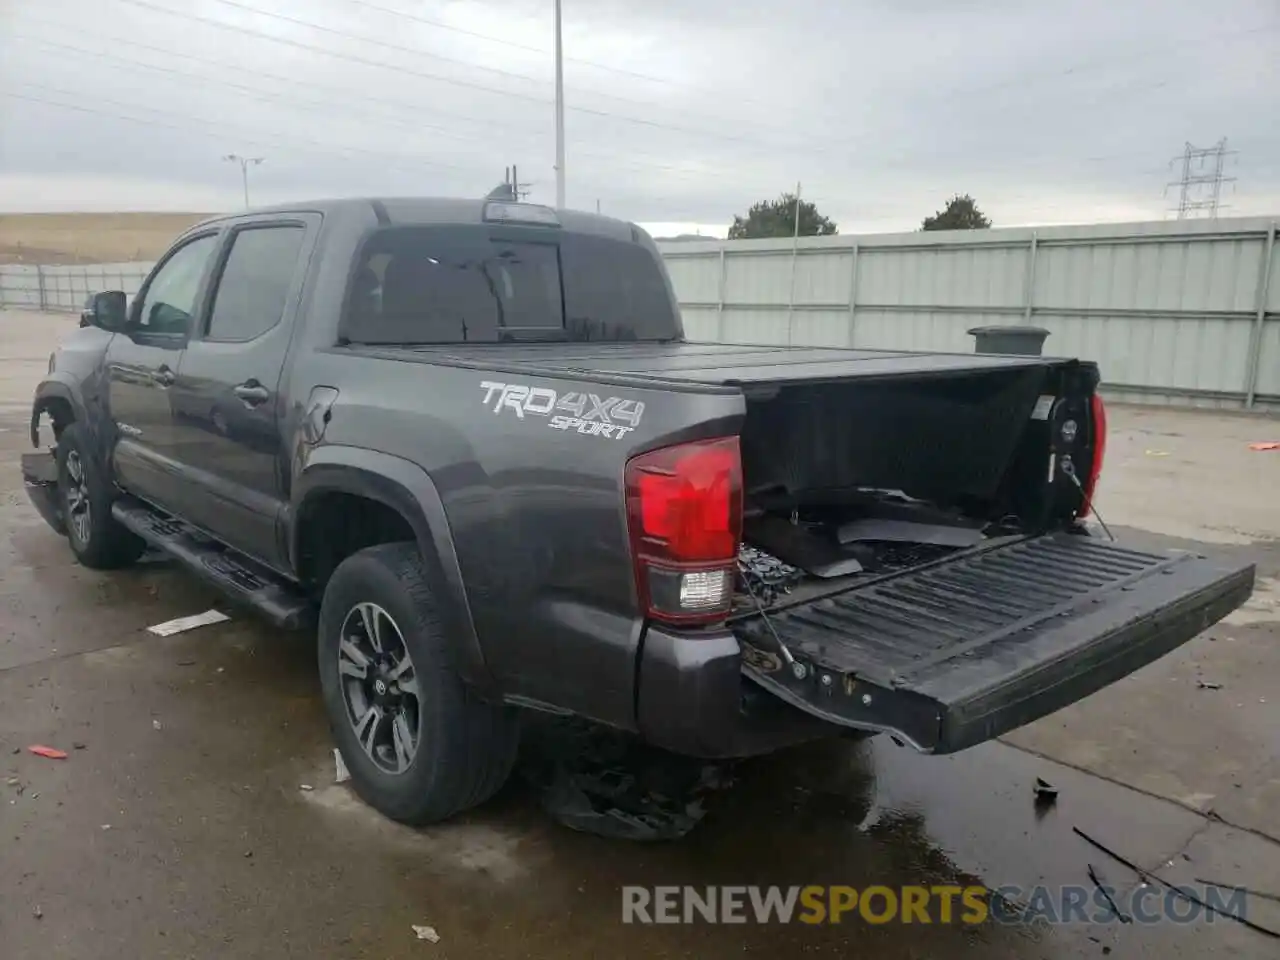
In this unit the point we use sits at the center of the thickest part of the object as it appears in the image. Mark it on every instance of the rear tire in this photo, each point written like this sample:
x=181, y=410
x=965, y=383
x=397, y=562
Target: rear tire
x=85, y=497
x=420, y=746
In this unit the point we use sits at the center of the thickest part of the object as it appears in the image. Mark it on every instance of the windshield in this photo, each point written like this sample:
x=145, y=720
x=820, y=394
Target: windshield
x=484, y=284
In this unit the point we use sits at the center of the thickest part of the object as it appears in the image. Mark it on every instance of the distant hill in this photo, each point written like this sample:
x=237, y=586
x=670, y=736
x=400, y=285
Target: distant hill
x=89, y=237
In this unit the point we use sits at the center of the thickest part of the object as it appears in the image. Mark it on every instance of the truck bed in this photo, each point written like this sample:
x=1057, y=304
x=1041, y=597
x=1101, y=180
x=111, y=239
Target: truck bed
x=702, y=364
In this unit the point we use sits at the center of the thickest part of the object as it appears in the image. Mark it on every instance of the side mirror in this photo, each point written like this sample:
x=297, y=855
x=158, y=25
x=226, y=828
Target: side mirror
x=106, y=311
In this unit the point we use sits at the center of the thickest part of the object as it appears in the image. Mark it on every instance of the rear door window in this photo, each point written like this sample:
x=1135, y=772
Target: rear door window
x=255, y=282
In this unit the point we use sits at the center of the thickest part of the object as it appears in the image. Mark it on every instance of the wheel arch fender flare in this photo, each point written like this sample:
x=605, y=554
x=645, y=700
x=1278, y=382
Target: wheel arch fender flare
x=51, y=390
x=409, y=490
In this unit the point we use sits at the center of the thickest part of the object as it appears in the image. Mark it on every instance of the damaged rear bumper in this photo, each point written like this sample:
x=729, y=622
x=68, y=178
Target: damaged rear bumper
x=40, y=477
x=692, y=699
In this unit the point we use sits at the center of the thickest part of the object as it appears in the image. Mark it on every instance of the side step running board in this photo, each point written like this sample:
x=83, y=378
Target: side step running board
x=236, y=576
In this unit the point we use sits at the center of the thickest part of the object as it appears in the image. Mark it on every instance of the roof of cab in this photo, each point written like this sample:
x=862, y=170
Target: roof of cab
x=407, y=211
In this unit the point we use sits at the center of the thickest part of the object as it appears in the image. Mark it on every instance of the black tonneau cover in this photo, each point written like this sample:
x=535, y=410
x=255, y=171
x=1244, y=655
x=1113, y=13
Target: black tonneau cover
x=707, y=364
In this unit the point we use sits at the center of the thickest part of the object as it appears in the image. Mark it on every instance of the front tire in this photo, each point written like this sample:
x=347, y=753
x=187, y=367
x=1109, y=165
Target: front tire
x=85, y=496
x=420, y=746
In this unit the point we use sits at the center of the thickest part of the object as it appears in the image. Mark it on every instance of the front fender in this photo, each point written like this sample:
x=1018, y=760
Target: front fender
x=408, y=489
x=57, y=386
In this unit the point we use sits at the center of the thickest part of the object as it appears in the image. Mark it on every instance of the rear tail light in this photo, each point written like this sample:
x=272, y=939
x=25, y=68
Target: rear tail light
x=1098, y=429
x=684, y=512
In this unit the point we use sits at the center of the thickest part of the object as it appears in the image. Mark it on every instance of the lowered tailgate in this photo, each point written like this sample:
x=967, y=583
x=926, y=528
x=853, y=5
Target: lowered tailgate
x=964, y=649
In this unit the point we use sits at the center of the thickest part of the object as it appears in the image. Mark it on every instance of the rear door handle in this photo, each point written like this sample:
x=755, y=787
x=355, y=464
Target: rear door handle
x=164, y=376
x=252, y=393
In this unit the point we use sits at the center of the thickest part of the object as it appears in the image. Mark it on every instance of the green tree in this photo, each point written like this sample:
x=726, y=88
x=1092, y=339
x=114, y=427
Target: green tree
x=960, y=213
x=777, y=218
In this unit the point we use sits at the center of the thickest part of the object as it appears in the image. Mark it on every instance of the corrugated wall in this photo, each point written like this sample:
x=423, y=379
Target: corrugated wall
x=1172, y=311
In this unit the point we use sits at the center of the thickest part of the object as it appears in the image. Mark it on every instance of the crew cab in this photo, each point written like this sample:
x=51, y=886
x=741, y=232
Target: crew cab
x=468, y=444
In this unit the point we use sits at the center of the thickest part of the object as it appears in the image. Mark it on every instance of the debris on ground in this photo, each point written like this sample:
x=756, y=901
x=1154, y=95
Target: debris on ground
x=49, y=753
x=78, y=746
x=1208, y=685
x=156, y=724
x=1150, y=878
x=1045, y=790
x=37, y=912
x=606, y=783
x=1101, y=887
x=1157, y=453
x=305, y=787
x=1265, y=445
x=182, y=624
x=423, y=932
x=1248, y=891
x=340, y=772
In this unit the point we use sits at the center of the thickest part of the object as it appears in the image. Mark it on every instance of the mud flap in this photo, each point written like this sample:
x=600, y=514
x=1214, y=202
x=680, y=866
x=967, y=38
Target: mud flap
x=959, y=651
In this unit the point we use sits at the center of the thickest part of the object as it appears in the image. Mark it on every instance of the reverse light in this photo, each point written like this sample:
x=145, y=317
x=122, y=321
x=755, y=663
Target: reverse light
x=1098, y=429
x=684, y=511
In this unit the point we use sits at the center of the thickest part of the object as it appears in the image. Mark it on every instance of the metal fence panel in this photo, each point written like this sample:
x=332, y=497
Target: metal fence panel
x=1171, y=311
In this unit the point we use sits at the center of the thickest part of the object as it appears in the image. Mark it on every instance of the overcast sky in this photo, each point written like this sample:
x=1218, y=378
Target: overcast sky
x=679, y=113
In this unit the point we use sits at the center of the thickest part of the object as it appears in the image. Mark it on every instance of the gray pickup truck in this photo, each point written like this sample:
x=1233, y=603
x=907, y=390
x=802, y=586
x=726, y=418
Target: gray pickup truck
x=467, y=442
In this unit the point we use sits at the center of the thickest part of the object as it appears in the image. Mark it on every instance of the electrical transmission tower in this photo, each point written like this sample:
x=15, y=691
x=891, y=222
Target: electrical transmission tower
x=1200, y=188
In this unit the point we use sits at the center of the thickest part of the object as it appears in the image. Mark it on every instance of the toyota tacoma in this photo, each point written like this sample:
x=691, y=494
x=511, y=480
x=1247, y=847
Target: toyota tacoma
x=468, y=444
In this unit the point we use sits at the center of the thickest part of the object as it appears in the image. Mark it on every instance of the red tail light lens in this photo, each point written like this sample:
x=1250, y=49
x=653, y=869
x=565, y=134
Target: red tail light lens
x=684, y=510
x=1098, y=426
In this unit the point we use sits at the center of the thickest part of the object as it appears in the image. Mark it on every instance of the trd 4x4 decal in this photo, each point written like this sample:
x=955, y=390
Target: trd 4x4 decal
x=582, y=412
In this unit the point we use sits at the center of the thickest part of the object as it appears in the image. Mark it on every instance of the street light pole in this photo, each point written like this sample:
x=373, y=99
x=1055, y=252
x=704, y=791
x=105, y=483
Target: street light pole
x=245, y=163
x=559, y=113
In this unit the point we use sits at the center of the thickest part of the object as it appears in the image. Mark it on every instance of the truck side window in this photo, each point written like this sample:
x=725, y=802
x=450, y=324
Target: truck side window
x=255, y=282
x=170, y=298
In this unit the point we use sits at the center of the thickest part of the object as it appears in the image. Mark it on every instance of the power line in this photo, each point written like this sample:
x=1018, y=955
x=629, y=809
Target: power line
x=703, y=132
x=631, y=161
x=642, y=121
x=195, y=124
x=1128, y=57
x=440, y=78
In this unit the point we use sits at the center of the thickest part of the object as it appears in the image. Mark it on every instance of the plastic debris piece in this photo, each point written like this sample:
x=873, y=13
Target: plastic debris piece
x=1157, y=453
x=305, y=787
x=1045, y=791
x=182, y=624
x=156, y=724
x=1208, y=685
x=1265, y=445
x=340, y=772
x=49, y=753
x=423, y=932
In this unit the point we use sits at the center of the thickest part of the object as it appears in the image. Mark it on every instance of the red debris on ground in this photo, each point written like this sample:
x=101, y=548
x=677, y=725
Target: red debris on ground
x=49, y=752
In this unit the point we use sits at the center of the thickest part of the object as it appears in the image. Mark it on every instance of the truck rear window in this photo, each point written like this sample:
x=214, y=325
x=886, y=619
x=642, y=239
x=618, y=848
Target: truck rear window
x=478, y=283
